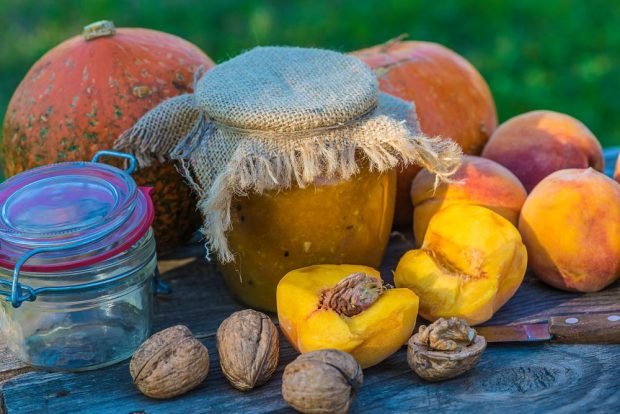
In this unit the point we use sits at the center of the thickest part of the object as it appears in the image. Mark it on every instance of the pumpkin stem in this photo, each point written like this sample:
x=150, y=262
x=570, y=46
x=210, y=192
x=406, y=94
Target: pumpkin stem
x=98, y=29
x=352, y=295
x=387, y=45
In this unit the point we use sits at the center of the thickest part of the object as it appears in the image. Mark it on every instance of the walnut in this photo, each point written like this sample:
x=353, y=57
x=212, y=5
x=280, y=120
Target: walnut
x=446, y=335
x=322, y=381
x=352, y=295
x=249, y=349
x=445, y=349
x=169, y=363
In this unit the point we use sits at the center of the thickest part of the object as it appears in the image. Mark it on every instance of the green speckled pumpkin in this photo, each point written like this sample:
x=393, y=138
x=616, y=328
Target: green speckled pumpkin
x=81, y=95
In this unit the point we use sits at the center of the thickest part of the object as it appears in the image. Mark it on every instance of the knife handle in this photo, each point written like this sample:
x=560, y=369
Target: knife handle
x=598, y=328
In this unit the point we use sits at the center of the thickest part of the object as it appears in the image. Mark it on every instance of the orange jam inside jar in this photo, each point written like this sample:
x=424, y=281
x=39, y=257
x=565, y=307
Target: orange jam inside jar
x=331, y=221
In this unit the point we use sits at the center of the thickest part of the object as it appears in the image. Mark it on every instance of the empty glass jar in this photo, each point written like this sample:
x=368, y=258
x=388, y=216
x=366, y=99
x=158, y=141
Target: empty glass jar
x=77, y=260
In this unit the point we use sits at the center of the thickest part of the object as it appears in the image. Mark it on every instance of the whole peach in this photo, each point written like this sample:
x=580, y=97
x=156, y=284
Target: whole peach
x=538, y=143
x=570, y=224
x=478, y=181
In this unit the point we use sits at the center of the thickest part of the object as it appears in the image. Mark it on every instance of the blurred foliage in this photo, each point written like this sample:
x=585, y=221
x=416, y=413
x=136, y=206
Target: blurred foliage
x=553, y=54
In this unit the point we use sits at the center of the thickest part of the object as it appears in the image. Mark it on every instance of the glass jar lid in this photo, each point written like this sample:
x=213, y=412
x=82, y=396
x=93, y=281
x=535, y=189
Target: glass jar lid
x=75, y=214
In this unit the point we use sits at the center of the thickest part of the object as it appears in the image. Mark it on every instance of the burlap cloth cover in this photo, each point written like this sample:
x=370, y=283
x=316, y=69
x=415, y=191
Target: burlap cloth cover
x=275, y=117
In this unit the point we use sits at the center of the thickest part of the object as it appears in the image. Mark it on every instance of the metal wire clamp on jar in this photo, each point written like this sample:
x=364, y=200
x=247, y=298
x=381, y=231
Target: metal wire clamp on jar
x=77, y=260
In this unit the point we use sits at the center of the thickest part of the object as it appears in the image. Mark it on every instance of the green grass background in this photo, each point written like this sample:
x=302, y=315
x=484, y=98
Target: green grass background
x=535, y=54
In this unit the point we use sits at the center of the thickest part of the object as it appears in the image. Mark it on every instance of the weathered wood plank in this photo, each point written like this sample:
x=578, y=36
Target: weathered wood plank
x=201, y=301
x=513, y=379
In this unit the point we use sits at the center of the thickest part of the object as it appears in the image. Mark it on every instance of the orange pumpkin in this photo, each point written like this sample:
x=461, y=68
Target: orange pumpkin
x=451, y=98
x=81, y=95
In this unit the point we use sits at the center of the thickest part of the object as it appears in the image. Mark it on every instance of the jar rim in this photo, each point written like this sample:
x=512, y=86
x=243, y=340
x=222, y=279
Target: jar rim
x=133, y=237
x=62, y=203
x=71, y=215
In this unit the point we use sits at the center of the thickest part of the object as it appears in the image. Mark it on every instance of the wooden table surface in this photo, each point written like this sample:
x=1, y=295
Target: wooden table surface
x=515, y=378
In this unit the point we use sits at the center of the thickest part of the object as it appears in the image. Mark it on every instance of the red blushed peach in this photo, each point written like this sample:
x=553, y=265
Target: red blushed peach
x=570, y=224
x=478, y=181
x=536, y=144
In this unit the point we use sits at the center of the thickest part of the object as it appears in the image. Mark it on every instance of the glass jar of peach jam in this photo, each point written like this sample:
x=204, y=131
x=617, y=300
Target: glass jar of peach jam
x=338, y=222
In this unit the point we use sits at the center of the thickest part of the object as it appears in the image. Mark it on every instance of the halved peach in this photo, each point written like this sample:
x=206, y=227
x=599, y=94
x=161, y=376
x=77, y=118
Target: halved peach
x=471, y=262
x=371, y=335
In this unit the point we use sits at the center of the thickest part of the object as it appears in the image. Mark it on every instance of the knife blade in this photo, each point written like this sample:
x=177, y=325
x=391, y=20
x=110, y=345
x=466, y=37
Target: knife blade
x=576, y=329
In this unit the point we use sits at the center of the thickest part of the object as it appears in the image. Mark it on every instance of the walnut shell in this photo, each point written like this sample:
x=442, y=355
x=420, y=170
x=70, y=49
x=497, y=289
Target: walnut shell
x=323, y=381
x=444, y=350
x=169, y=363
x=249, y=348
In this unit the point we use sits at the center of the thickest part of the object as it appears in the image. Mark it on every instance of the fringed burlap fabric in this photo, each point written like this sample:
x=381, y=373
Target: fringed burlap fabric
x=275, y=117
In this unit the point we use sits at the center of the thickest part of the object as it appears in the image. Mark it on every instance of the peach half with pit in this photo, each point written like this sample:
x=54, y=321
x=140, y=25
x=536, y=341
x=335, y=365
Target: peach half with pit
x=345, y=307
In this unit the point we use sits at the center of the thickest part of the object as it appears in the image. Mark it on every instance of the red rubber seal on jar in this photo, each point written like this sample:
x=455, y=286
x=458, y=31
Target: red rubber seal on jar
x=94, y=207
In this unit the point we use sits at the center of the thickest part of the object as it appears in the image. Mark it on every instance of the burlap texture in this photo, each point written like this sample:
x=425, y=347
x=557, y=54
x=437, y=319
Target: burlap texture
x=275, y=117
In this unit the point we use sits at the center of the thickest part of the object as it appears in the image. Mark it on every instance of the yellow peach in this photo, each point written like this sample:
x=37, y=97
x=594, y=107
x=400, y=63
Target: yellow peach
x=478, y=181
x=570, y=224
x=311, y=319
x=471, y=262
